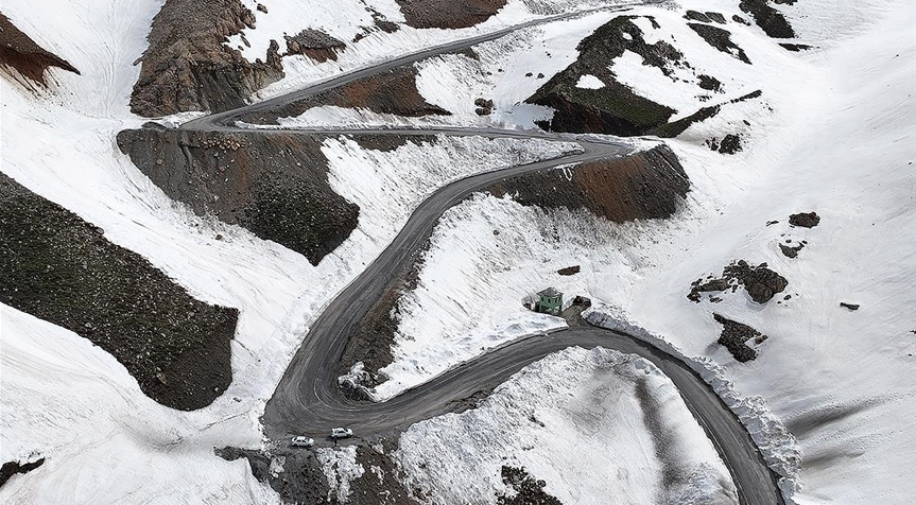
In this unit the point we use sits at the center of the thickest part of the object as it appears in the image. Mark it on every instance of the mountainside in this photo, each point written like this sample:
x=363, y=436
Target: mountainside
x=729, y=181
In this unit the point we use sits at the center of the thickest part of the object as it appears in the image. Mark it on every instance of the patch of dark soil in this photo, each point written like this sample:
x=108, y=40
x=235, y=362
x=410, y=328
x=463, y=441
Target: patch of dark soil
x=674, y=129
x=187, y=67
x=388, y=143
x=735, y=336
x=720, y=39
x=371, y=342
x=614, y=109
x=773, y=23
x=60, y=268
x=573, y=270
x=528, y=490
x=315, y=44
x=796, y=47
x=761, y=283
x=448, y=14
x=274, y=185
x=11, y=468
x=392, y=92
x=646, y=185
x=297, y=475
x=20, y=53
x=709, y=83
x=805, y=219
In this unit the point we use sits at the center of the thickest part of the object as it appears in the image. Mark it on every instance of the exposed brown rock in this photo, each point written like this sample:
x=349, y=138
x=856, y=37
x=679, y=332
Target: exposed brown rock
x=646, y=185
x=573, y=270
x=22, y=56
x=315, y=44
x=805, y=219
x=392, y=92
x=187, y=66
x=451, y=14
x=761, y=283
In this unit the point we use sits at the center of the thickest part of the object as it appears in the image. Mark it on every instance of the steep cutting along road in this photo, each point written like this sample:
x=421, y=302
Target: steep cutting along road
x=308, y=399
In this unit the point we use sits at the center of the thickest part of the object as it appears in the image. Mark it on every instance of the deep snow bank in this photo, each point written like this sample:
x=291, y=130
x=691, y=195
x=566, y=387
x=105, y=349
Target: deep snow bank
x=591, y=424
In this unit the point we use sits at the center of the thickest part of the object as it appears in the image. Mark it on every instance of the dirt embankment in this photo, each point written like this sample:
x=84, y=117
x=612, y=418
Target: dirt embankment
x=393, y=92
x=275, y=185
x=187, y=66
x=449, y=14
x=60, y=268
x=302, y=479
x=21, y=56
x=647, y=185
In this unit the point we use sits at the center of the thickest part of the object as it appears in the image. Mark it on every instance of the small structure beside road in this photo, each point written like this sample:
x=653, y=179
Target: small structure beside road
x=550, y=301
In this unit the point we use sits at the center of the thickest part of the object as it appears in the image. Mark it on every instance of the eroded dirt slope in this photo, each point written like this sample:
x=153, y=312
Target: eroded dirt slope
x=59, y=268
x=274, y=184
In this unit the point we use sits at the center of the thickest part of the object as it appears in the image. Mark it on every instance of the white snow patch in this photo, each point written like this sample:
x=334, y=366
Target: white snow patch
x=589, y=81
x=340, y=467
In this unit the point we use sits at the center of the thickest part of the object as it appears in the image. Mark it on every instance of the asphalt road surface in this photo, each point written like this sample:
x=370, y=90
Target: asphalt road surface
x=308, y=400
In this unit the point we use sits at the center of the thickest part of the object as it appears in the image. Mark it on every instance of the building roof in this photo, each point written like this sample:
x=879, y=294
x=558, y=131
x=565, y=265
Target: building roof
x=550, y=292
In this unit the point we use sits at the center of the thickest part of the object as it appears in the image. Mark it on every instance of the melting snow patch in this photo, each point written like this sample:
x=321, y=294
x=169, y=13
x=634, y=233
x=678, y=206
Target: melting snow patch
x=340, y=467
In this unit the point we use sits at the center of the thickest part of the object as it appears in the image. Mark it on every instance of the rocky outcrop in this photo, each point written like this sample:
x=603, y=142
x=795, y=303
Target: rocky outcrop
x=735, y=336
x=59, y=268
x=392, y=92
x=773, y=23
x=526, y=489
x=188, y=66
x=760, y=282
x=274, y=184
x=719, y=39
x=614, y=109
x=805, y=219
x=646, y=185
x=315, y=44
x=20, y=56
x=449, y=14
x=11, y=468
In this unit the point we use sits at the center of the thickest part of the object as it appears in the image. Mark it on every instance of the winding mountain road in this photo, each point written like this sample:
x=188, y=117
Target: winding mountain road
x=308, y=399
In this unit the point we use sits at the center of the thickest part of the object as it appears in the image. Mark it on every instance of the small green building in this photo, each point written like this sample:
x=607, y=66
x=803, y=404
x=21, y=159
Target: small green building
x=550, y=301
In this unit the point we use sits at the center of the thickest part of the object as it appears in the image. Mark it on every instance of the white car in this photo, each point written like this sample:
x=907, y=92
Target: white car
x=302, y=442
x=341, y=433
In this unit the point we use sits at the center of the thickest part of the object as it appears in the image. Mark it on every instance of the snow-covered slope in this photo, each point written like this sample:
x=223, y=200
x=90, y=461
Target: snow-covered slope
x=833, y=133
x=597, y=426
x=70, y=402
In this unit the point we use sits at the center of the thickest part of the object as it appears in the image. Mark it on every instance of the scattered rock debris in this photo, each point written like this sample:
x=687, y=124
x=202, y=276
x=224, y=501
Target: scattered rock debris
x=734, y=337
x=730, y=144
x=21, y=57
x=484, y=107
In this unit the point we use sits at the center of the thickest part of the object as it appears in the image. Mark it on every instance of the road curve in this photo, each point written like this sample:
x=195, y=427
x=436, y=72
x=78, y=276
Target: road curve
x=309, y=401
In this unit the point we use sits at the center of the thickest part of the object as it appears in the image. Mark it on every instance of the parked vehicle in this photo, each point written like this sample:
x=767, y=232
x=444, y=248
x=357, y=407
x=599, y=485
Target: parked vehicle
x=341, y=433
x=302, y=441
